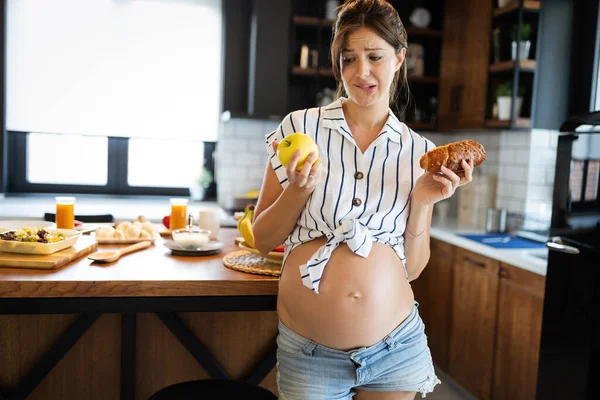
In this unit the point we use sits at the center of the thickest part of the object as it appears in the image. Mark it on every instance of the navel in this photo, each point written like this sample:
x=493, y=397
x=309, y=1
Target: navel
x=355, y=296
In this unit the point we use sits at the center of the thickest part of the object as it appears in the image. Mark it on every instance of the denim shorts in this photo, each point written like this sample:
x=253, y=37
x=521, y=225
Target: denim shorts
x=401, y=361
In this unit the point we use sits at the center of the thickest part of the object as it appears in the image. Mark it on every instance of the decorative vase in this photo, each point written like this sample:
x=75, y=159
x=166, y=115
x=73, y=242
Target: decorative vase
x=504, y=103
x=523, y=50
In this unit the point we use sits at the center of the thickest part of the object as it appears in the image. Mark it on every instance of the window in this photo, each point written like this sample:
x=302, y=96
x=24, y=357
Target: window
x=64, y=159
x=133, y=82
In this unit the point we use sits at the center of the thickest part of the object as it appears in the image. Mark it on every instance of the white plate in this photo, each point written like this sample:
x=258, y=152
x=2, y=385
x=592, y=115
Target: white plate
x=212, y=247
x=13, y=246
x=12, y=224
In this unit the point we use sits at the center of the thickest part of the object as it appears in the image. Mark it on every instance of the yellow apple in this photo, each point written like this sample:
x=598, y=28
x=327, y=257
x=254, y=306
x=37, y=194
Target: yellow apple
x=293, y=142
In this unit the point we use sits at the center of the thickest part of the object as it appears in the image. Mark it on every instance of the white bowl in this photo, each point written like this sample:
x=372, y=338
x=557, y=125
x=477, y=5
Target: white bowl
x=194, y=239
x=13, y=246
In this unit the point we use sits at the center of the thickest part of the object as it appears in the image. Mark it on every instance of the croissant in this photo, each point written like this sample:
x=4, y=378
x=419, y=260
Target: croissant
x=452, y=154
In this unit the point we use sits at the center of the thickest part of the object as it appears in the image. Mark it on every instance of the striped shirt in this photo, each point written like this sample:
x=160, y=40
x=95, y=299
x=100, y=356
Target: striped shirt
x=364, y=197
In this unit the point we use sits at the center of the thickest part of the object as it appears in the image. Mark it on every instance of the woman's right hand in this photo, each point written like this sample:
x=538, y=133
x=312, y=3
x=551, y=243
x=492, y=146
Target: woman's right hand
x=311, y=174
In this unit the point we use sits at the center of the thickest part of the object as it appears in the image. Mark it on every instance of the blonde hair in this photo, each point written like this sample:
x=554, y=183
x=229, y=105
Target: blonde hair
x=383, y=19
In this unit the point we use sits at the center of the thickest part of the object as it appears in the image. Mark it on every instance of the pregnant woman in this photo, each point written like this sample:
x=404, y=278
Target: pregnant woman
x=355, y=224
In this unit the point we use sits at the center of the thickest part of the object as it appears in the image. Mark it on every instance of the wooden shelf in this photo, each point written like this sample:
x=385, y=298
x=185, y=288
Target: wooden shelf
x=528, y=5
x=524, y=65
x=311, y=21
x=428, y=80
x=312, y=71
x=519, y=123
x=421, y=126
x=425, y=32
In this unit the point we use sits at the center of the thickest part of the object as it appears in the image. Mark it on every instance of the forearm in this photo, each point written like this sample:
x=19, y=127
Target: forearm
x=416, y=249
x=275, y=223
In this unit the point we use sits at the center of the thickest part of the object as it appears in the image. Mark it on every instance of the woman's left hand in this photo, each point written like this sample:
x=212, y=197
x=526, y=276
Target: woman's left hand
x=431, y=187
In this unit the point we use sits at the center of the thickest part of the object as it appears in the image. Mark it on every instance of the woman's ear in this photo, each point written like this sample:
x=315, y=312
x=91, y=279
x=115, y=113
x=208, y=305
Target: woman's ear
x=400, y=58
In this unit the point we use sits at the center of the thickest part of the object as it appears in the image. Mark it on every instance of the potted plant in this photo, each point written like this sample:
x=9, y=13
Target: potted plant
x=524, y=42
x=198, y=188
x=504, y=99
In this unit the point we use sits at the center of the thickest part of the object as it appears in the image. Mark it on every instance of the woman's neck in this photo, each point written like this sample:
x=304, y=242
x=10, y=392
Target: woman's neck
x=366, y=118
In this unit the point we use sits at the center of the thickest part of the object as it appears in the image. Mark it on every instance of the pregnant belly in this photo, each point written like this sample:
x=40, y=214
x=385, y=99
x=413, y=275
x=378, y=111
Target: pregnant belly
x=360, y=299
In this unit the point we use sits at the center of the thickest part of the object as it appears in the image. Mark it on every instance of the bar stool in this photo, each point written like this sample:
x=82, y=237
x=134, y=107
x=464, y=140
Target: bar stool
x=213, y=389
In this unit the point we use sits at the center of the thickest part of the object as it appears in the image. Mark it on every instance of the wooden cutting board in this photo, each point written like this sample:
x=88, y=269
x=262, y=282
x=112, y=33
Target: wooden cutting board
x=84, y=245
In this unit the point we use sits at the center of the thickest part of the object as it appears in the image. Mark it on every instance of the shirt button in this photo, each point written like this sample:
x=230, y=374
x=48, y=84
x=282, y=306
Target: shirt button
x=356, y=202
x=358, y=175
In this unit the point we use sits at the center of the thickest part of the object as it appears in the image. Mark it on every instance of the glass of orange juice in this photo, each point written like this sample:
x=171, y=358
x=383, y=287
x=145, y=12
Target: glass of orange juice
x=65, y=212
x=178, y=213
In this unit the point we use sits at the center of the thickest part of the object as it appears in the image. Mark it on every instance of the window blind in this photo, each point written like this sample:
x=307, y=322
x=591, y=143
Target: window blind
x=129, y=68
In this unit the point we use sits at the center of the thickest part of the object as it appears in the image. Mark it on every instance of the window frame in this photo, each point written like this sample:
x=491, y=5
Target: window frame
x=117, y=184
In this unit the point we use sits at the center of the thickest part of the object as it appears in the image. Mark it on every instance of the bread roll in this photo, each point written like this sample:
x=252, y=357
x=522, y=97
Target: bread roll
x=451, y=154
x=132, y=232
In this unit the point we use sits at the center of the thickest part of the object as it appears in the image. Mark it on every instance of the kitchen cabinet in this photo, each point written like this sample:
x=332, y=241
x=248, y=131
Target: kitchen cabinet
x=473, y=326
x=464, y=64
x=519, y=325
x=255, y=42
x=433, y=291
x=483, y=321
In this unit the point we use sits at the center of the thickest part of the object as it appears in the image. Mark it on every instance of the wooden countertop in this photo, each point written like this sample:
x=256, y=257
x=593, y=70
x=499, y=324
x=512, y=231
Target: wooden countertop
x=152, y=272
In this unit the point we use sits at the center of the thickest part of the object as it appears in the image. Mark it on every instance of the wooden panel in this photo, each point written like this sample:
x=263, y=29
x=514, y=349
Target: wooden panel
x=520, y=310
x=433, y=291
x=474, y=300
x=464, y=64
x=90, y=370
x=151, y=272
x=83, y=246
x=237, y=340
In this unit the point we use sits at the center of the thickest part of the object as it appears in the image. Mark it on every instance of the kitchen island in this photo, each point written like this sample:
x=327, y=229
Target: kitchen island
x=129, y=328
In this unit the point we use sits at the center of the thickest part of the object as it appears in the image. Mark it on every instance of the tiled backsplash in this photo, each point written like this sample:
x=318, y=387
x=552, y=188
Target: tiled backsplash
x=522, y=161
x=241, y=157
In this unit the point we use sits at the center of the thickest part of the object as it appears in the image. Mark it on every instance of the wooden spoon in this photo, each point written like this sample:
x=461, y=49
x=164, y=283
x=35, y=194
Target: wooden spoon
x=110, y=256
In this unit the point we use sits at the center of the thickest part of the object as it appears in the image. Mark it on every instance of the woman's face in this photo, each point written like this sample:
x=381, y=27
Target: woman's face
x=368, y=65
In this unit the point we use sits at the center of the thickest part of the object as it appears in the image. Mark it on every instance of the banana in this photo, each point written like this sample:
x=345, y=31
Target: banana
x=245, y=225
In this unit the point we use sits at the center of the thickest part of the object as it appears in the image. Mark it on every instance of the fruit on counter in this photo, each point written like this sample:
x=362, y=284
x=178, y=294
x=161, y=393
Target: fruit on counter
x=296, y=141
x=244, y=225
x=167, y=221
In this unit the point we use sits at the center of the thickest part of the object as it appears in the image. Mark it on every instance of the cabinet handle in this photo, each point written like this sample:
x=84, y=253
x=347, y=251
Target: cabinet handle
x=502, y=272
x=476, y=263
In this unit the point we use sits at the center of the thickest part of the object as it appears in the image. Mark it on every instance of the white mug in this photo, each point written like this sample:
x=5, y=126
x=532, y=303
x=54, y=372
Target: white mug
x=211, y=220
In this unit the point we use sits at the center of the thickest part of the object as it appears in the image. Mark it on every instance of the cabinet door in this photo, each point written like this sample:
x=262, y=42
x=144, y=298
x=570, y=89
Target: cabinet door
x=464, y=64
x=520, y=309
x=433, y=291
x=473, y=327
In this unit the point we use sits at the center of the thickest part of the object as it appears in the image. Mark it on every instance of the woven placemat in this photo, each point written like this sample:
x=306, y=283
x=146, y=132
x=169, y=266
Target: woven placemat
x=242, y=260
